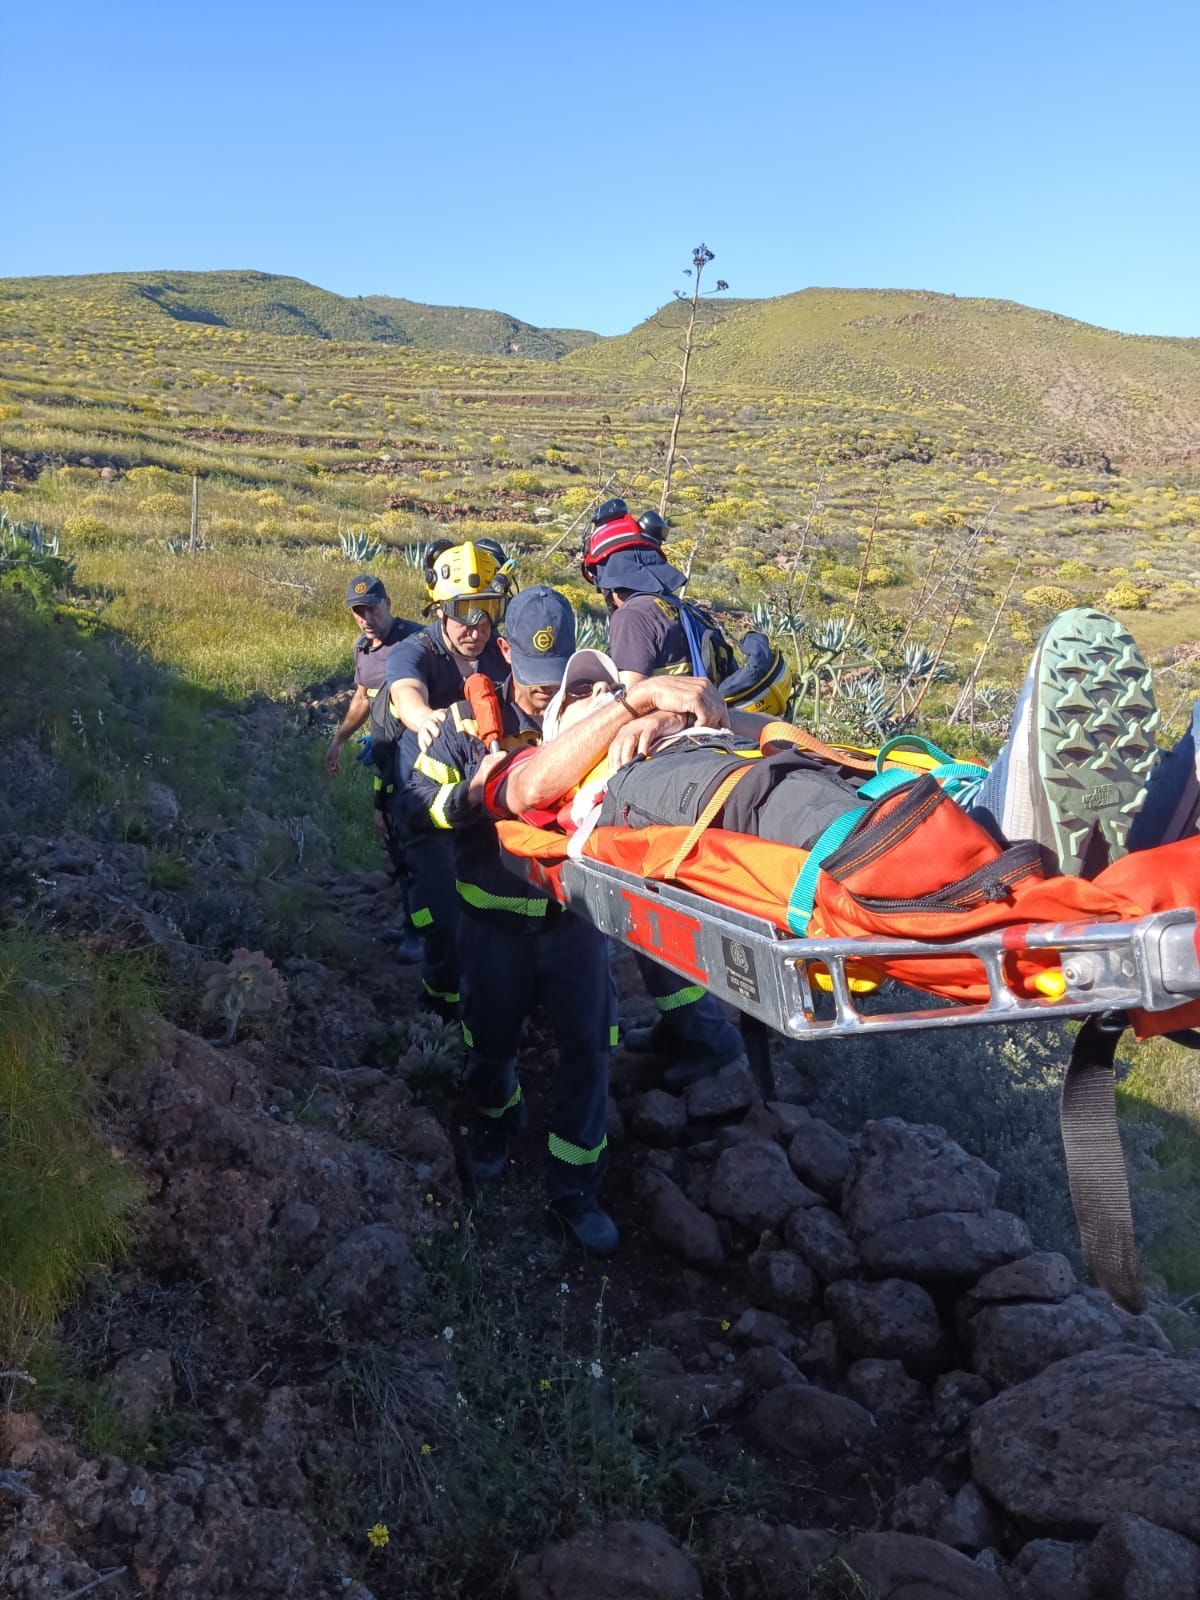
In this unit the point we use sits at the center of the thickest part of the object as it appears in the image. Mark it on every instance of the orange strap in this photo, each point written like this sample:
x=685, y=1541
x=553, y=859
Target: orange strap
x=720, y=794
x=788, y=733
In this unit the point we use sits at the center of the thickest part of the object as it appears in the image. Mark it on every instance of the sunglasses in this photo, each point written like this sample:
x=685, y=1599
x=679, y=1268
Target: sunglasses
x=471, y=612
x=583, y=690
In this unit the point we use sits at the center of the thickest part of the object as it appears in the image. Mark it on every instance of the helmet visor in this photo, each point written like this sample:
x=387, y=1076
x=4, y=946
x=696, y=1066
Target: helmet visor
x=471, y=610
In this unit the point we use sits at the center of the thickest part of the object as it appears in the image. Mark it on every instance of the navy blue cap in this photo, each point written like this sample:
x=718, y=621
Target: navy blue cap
x=365, y=591
x=642, y=571
x=540, y=628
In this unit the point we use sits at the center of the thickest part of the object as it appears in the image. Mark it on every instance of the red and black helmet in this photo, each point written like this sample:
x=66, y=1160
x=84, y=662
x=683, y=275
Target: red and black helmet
x=610, y=539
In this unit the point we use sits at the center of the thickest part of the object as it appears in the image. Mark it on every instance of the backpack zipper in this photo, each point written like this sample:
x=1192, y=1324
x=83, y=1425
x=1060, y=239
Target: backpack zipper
x=987, y=885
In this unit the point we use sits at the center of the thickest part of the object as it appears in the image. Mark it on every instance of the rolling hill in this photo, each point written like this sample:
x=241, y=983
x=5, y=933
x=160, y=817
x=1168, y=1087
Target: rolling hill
x=263, y=302
x=1049, y=376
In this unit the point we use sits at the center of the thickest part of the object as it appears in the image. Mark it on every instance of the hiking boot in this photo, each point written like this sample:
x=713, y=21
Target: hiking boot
x=655, y=1040
x=488, y=1154
x=1081, y=749
x=407, y=947
x=590, y=1227
x=1172, y=803
x=690, y=1069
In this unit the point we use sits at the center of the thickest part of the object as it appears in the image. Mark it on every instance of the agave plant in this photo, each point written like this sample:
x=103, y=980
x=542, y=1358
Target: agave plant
x=590, y=634
x=413, y=556
x=918, y=663
x=245, y=985
x=29, y=533
x=358, y=546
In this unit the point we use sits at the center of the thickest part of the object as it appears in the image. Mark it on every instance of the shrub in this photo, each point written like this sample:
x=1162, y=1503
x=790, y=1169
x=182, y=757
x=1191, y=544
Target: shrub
x=82, y=527
x=1049, y=594
x=1124, y=597
x=1073, y=571
x=162, y=505
x=523, y=483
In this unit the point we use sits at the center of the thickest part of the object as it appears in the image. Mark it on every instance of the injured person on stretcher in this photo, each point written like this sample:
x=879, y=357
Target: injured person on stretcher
x=842, y=843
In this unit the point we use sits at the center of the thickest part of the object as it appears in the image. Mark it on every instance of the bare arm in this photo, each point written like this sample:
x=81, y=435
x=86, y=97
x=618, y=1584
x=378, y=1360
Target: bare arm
x=357, y=713
x=551, y=771
x=630, y=678
x=410, y=703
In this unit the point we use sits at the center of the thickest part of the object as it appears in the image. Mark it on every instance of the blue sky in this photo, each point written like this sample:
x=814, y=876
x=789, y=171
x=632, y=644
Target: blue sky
x=559, y=161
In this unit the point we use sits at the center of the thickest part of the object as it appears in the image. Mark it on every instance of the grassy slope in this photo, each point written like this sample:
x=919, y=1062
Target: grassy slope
x=475, y=332
x=1045, y=374
x=264, y=302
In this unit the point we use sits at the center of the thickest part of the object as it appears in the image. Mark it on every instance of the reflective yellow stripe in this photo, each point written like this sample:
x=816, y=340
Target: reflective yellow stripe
x=681, y=997
x=422, y=918
x=378, y=784
x=371, y=693
x=437, y=811
x=436, y=771
x=451, y=996
x=463, y=724
x=513, y=1100
x=468, y=1036
x=574, y=1155
x=614, y=1036
x=677, y=669
x=484, y=900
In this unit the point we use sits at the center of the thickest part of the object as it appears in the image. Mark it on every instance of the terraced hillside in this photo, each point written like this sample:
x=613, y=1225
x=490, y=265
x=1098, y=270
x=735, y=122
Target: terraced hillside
x=264, y=302
x=1028, y=374
x=910, y=509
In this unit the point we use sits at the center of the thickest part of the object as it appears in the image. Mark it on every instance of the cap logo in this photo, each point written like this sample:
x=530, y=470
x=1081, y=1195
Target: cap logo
x=361, y=588
x=543, y=640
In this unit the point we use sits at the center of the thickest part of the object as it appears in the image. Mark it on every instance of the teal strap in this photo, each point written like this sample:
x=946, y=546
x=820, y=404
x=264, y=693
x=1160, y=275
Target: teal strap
x=800, y=906
x=911, y=741
x=959, y=779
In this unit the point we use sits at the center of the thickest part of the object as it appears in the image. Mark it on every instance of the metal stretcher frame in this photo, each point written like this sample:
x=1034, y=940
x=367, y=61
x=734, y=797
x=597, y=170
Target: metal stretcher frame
x=1151, y=964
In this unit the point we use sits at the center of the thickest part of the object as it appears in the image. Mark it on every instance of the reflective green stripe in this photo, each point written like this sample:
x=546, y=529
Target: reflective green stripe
x=681, y=997
x=468, y=1036
x=449, y=995
x=437, y=811
x=574, y=1155
x=378, y=784
x=614, y=1036
x=514, y=1099
x=484, y=900
x=422, y=918
x=435, y=770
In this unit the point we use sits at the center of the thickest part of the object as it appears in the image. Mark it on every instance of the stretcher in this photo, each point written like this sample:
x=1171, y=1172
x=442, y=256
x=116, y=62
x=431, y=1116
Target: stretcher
x=805, y=989
x=801, y=988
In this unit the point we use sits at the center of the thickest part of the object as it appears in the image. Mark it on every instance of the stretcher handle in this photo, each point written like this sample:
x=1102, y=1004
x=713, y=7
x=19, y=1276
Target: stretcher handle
x=485, y=704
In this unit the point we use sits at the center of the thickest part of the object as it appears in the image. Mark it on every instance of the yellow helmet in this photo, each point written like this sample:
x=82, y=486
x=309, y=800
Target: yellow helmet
x=469, y=581
x=764, y=683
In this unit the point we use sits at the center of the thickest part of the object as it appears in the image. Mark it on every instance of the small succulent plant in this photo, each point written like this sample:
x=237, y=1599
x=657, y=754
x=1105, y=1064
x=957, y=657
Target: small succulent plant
x=245, y=985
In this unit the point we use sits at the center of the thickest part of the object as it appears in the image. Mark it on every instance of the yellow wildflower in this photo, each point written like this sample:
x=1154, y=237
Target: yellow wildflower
x=378, y=1536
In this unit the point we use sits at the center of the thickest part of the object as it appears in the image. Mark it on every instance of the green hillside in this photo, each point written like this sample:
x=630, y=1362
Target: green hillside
x=1044, y=374
x=473, y=332
x=263, y=302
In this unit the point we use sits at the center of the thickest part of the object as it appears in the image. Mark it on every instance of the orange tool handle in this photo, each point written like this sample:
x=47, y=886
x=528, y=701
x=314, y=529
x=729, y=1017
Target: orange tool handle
x=485, y=703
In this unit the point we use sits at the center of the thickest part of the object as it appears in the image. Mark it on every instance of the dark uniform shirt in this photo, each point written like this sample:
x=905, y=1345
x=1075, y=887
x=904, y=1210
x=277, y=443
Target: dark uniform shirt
x=371, y=659
x=425, y=657
x=438, y=787
x=645, y=635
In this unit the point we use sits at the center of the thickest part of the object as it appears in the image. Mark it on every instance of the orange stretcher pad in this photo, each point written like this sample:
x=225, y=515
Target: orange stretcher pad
x=757, y=876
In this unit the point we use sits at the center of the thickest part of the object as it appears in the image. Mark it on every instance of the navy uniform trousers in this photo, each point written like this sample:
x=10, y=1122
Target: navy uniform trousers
x=690, y=1014
x=434, y=911
x=563, y=966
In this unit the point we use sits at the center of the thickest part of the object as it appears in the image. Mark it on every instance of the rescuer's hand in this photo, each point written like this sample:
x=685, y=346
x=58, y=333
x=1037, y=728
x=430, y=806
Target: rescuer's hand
x=639, y=738
x=333, y=756
x=428, y=730
x=482, y=773
x=691, y=697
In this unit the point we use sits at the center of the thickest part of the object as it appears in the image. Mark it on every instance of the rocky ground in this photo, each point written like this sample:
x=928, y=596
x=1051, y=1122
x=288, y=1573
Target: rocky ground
x=823, y=1362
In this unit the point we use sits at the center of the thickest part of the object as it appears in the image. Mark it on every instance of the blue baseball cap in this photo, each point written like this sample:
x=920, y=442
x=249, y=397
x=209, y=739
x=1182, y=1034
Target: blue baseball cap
x=540, y=628
x=365, y=591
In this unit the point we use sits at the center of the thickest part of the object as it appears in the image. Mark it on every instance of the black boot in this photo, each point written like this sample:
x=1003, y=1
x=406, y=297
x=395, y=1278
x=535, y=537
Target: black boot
x=590, y=1227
